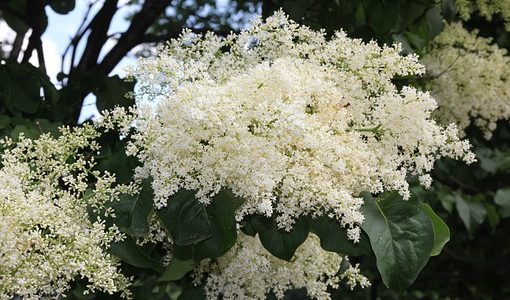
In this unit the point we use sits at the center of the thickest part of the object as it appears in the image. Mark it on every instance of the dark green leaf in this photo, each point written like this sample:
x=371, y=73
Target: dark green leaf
x=62, y=6
x=186, y=219
x=20, y=88
x=247, y=228
x=4, y=121
x=448, y=9
x=401, y=235
x=492, y=216
x=112, y=92
x=434, y=21
x=382, y=17
x=15, y=15
x=334, y=237
x=141, y=211
x=129, y=252
x=193, y=293
x=177, y=269
x=28, y=131
x=280, y=243
x=410, y=11
x=441, y=230
x=222, y=215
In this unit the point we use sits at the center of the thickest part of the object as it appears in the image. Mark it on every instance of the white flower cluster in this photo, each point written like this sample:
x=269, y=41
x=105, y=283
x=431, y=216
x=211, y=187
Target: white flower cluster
x=46, y=238
x=293, y=122
x=248, y=271
x=485, y=8
x=470, y=79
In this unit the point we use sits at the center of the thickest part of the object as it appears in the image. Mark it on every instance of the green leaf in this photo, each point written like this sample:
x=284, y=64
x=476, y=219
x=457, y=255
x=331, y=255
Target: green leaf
x=62, y=6
x=247, y=228
x=186, y=219
x=4, y=121
x=409, y=12
x=502, y=198
x=472, y=213
x=280, y=243
x=435, y=22
x=441, y=230
x=446, y=199
x=334, y=237
x=129, y=252
x=20, y=88
x=193, y=293
x=46, y=126
x=401, y=235
x=112, y=92
x=28, y=131
x=141, y=211
x=492, y=216
x=382, y=17
x=15, y=15
x=176, y=269
x=221, y=212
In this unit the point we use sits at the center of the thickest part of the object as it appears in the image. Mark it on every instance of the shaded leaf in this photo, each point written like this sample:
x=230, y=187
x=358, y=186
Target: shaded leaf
x=472, y=213
x=221, y=212
x=186, y=219
x=129, y=252
x=502, y=198
x=192, y=293
x=62, y=6
x=280, y=243
x=112, y=92
x=333, y=237
x=141, y=211
x=177, y=269
x=20, y=88
x=441, y=230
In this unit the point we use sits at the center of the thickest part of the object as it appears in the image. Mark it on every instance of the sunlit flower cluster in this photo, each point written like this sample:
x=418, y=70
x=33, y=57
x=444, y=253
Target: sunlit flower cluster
x=470, y=79
x=248, y=271
x=293, y=122
x=485, y=8
x=46, y=237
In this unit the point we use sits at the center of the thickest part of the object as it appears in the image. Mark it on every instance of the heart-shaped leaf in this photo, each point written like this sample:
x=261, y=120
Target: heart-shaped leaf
x=279, y=242
x=186, y=219
x=401, y=235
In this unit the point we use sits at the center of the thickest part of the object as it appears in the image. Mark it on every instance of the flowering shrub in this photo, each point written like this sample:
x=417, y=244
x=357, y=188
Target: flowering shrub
x=277, y=131
x=266, y=159
x=46, y=236
x=292, y=122
x=469, y=79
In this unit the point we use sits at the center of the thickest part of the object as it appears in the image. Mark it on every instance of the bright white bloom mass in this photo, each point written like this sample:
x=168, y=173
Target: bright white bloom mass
x=46, y=238
x=248, y=272
x=293, y=122
x=470, y=79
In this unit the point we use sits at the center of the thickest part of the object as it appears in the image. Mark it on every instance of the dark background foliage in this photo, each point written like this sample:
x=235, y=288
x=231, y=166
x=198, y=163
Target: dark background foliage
x=473, y=200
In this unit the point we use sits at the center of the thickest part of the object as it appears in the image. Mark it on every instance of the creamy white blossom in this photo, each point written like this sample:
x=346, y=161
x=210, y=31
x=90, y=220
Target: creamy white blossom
x=293, y=122
x=485, y=8
x=470, y=79
x=46, y=237
x=248, y=272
